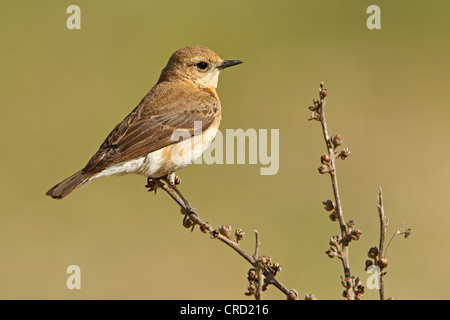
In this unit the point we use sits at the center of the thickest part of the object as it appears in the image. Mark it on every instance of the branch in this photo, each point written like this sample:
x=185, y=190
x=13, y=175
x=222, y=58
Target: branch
x=339, y=244
x=379, y=254
x=383, y=225
x=383, y=222
x=405, y=233
x=261, y=264
x=259, y=274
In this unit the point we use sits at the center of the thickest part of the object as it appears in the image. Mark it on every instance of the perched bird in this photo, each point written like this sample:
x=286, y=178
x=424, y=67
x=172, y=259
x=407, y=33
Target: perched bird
x=143, y=143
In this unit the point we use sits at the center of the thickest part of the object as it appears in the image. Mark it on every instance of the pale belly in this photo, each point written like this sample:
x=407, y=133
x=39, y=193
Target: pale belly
x=166, y=160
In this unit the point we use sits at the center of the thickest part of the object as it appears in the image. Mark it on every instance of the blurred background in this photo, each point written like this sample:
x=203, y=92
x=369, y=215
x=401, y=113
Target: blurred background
x=63, y=91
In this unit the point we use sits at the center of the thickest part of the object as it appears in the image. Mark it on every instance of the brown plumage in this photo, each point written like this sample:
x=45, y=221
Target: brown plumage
x=142, y=142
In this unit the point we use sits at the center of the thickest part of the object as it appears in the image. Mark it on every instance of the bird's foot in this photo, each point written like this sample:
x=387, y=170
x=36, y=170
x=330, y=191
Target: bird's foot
x=173, y=180
x=152, y=184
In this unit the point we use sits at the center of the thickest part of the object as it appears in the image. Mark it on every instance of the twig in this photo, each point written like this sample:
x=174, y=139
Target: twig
x=406, y=233
x=259, y=282
x=191, y=219
x=339, y=245
x=379, y=254
x=257, y=243
x=334, y=183
x=383, y=225
x=383, y=222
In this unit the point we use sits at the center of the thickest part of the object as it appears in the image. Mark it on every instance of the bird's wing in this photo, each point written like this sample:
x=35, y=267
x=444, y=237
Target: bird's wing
x=149, y=127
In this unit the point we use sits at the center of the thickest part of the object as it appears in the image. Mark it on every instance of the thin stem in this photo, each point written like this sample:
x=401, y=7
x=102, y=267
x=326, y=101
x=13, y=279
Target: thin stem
x=338, y=207
x=259, y=284
x=383, y=225
x=398, y=232
x=332, y=166
x=257, y=243
x=344, y=257
x=189, y=211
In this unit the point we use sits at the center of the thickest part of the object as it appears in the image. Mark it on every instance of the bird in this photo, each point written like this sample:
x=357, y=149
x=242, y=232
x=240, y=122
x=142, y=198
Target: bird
x=143, y=143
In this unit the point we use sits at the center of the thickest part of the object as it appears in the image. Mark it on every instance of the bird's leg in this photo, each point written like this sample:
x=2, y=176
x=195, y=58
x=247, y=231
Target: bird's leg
x=152, y=184
x=173, y=180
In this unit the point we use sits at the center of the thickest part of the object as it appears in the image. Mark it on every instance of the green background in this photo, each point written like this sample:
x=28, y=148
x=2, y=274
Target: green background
x=62, y=91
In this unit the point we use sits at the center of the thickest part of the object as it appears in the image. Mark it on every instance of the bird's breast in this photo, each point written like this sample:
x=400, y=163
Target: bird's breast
x=183, y=153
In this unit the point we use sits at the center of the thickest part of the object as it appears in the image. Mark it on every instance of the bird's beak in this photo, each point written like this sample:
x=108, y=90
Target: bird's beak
x=229, y=63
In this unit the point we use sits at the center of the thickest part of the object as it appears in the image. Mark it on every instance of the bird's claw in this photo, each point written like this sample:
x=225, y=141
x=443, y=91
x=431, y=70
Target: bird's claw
x=152, y=184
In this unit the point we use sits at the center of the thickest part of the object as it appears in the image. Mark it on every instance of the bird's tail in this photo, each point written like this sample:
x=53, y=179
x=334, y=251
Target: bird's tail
x=68, y=185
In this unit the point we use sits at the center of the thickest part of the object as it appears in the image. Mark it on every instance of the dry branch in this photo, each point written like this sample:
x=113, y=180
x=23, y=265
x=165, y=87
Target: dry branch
x=265, y=271
x=339, y=244
x=379, y=254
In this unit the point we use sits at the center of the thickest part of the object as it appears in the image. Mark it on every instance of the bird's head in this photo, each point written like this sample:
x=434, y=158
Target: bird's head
x=197, y=65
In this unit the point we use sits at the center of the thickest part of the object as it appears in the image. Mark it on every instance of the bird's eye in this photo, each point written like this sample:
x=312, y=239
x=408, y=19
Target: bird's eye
x=202, y=65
